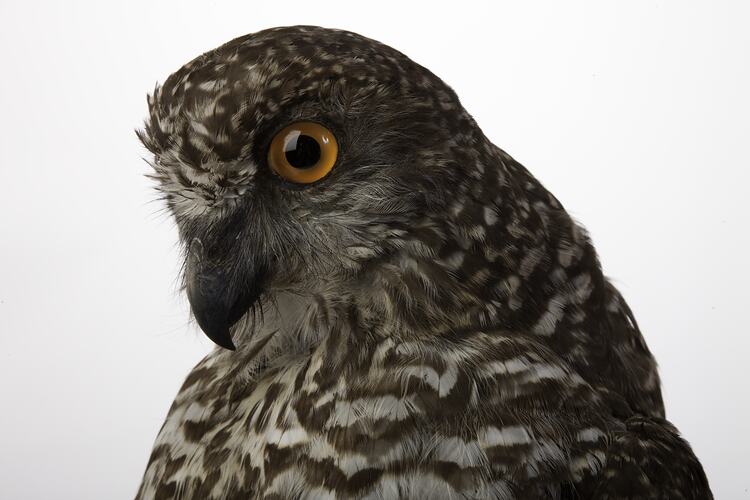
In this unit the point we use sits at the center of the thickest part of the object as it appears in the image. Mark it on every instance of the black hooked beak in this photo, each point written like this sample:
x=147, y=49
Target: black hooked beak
x=220, y=295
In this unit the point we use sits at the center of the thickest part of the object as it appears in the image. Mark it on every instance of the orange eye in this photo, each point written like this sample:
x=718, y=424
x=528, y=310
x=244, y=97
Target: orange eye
x=303, y=152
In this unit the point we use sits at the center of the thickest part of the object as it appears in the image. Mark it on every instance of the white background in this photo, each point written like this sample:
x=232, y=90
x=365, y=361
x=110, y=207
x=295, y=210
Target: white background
x=635, y=114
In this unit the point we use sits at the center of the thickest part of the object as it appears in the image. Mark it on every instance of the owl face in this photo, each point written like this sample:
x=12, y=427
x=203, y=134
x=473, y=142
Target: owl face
x=293, y=158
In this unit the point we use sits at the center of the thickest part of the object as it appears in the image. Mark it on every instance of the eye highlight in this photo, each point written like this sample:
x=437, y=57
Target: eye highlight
x=303, y=152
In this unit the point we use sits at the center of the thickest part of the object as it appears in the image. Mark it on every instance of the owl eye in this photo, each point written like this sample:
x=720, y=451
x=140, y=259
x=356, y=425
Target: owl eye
x=303, y=152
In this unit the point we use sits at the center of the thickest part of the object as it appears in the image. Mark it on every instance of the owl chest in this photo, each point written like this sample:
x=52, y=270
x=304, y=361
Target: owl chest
x=346, y=438
x=284, y=436
x=269, y=439
x=245, y=439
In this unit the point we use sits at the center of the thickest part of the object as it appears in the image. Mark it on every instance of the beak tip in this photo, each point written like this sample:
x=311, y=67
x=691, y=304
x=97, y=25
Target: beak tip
x=221, y=337
x=224, y=340
x=217, y=331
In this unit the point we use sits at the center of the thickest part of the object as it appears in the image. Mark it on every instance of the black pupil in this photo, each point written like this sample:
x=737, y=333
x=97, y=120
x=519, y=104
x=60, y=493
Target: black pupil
x=302, y=151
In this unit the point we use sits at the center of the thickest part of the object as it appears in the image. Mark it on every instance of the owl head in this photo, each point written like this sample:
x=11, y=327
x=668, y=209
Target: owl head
x=319, y=162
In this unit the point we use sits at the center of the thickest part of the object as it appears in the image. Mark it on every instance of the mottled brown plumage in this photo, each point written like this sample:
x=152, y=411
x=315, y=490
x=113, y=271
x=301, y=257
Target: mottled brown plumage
x=426, y=321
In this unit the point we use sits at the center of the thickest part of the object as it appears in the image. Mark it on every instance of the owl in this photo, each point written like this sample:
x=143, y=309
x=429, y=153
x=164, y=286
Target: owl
x=401, y=310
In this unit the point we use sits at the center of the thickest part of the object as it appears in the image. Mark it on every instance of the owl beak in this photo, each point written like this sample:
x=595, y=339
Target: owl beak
x=218, y=296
